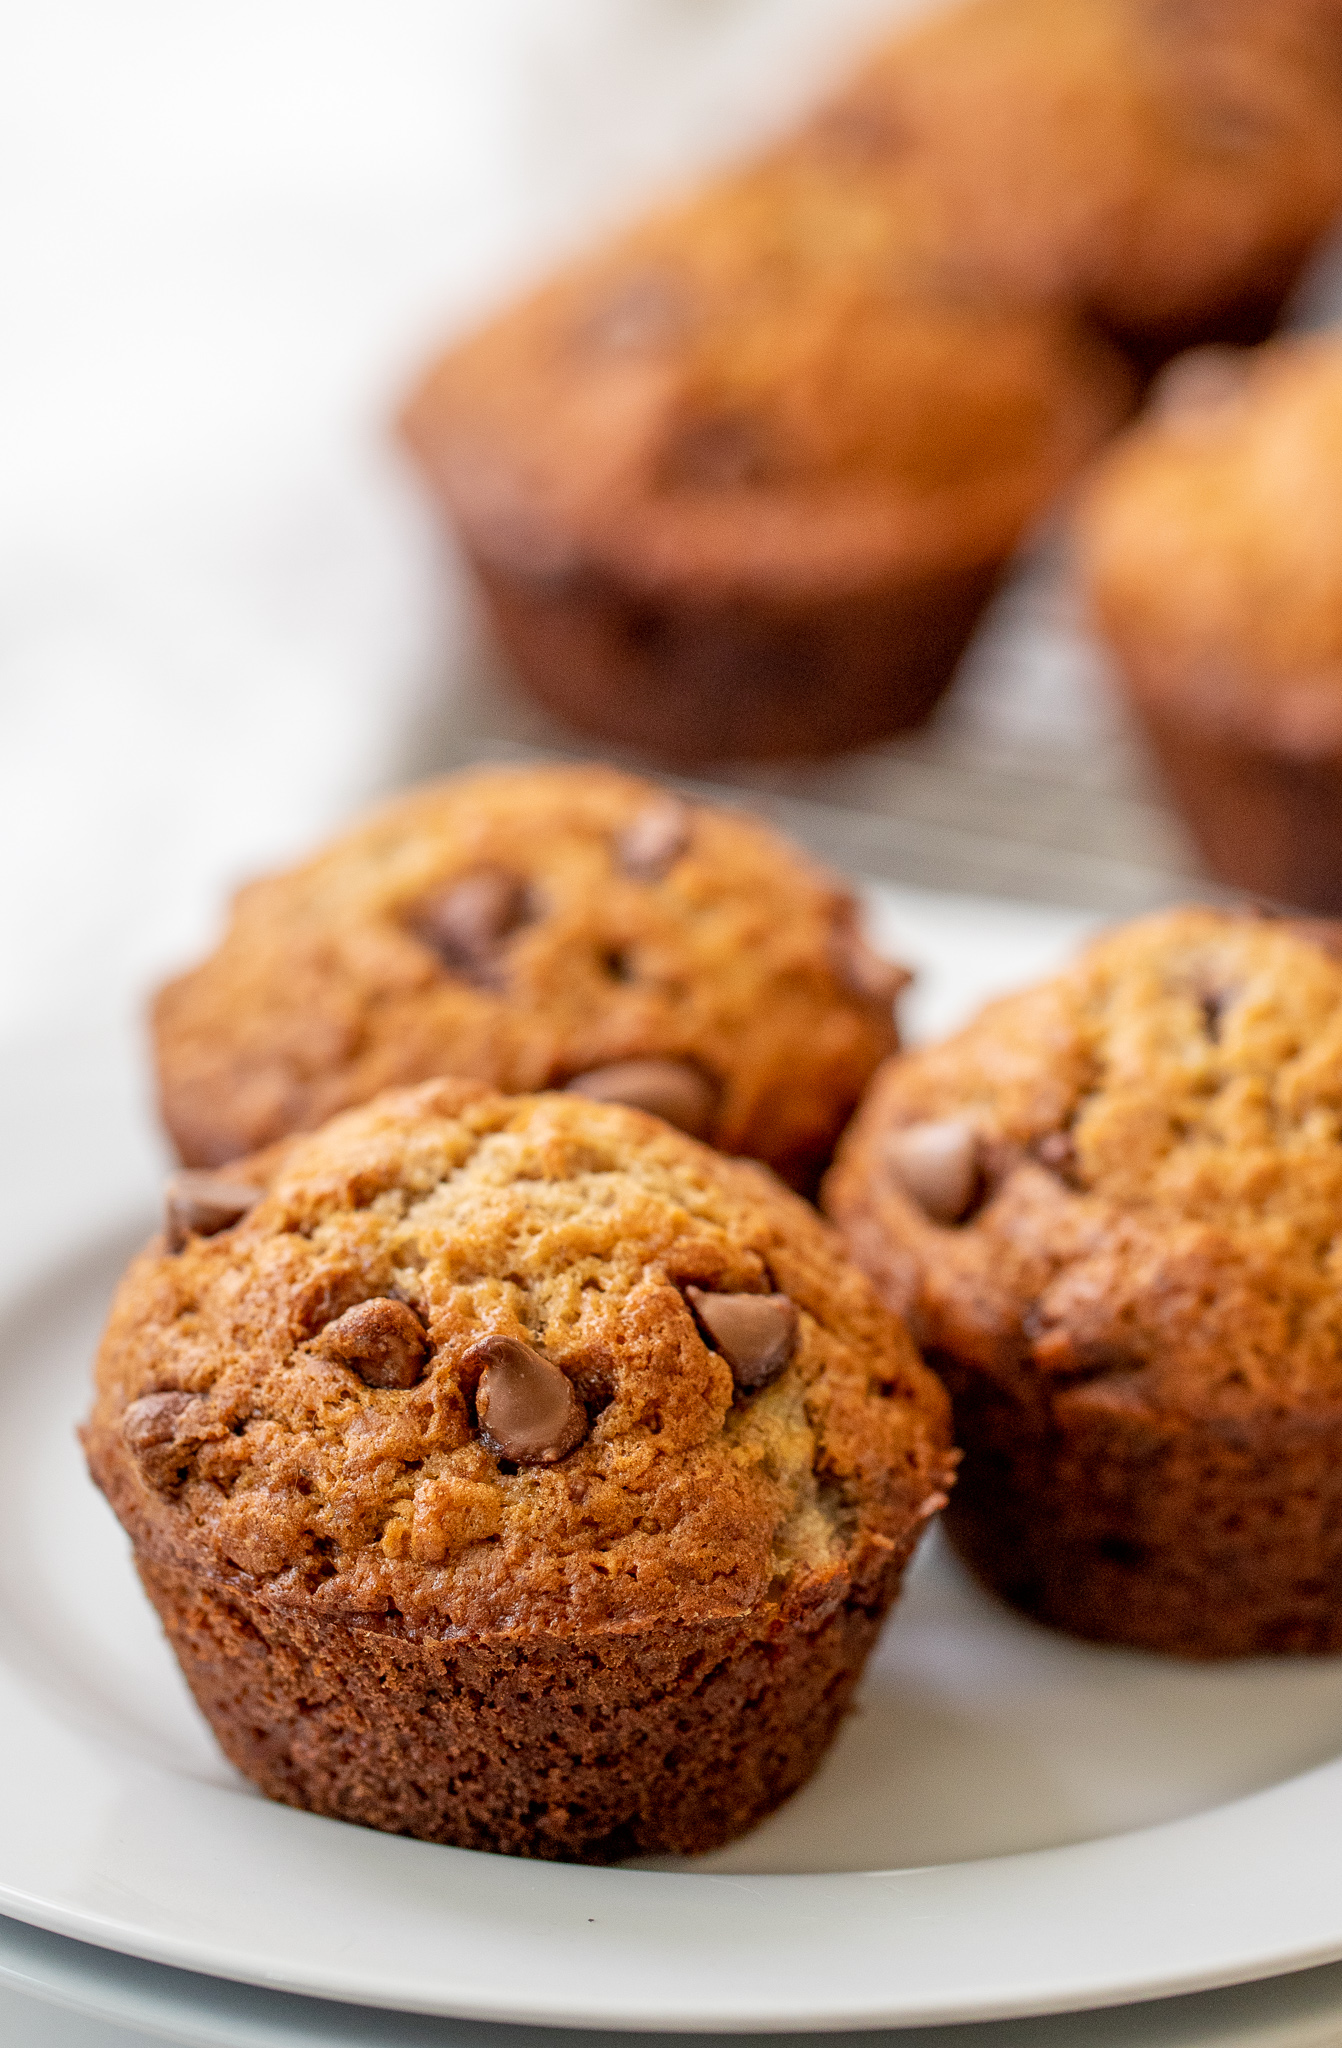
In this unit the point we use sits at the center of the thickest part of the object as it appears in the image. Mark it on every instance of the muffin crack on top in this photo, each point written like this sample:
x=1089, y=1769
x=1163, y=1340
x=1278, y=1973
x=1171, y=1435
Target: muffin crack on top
x=499, y=1220
x=537, y=928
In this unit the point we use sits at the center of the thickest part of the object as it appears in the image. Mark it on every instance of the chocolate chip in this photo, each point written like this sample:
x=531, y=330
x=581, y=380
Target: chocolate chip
x=756, y=1333
x=937, y=1164
x=527, y=1407
x=468, y=921
x=153, y=1419
x=149, y=1430
x=655, y=838
x=674, y=1090
x=861, y=970
x=382, y=1340
x=719, y=454
x=197, y=1204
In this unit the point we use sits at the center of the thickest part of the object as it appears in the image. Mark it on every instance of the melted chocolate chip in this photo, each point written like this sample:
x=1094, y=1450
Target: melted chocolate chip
x=197, y=1204
x=672, y=1089
x=654, y=840
x=937, y=1164
x=756, y=1333
x=527, y=1407
x=382, y=1340
x=468, y=922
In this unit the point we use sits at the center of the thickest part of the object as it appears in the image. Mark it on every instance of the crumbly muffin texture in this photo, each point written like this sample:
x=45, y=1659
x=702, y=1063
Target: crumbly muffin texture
x=531, y=928
x=575, y=1230
x=1110, y=1209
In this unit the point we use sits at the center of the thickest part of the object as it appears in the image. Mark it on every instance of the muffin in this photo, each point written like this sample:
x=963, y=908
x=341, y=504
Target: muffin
x=1110, y=1210
x=1165, y=166
x=740, y=484
x=514, y=1472
x=537, y=928
x=1211, y=553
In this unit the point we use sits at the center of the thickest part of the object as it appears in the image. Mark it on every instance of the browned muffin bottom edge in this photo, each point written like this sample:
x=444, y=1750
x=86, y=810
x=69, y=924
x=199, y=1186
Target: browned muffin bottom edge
x=674, y=1740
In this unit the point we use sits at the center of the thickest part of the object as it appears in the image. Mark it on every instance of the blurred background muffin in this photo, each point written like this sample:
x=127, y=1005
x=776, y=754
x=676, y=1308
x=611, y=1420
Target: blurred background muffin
x=740, y=484
x=1211, y=547
x=1164, y=166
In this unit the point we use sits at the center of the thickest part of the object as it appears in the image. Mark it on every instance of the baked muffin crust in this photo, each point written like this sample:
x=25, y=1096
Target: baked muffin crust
x=1139, y=1314
x=533, y=928
x=279, y=1500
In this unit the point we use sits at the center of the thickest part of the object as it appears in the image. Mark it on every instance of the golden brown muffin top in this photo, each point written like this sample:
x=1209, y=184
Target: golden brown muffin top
x=1156, y=162
x=526, y=927
x=1137, y=1169
x=1210, y=545
x=777, y=389
x=416, y=1243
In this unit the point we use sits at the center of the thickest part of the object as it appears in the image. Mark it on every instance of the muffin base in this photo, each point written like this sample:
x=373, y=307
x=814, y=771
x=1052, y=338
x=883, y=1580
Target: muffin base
x=1202, y=1537
x=1264, y=822
x=628, y=1744
x=687, y=682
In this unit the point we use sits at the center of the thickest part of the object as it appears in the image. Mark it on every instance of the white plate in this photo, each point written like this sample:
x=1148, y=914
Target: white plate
x=1011, y=1823
x=54, y=1993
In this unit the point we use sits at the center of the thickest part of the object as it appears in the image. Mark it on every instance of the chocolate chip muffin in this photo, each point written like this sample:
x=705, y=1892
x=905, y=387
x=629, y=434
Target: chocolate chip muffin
x=1164, y=166
x=740, y=484
x=1209, y=551
x=514, y=1471
x=1110, y=1209
x=537, y=928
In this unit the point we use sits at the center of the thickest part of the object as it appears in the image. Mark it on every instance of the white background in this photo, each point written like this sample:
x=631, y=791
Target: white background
x=229, y=235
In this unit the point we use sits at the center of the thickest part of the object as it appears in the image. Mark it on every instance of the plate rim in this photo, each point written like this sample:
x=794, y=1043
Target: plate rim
x=784, y=2014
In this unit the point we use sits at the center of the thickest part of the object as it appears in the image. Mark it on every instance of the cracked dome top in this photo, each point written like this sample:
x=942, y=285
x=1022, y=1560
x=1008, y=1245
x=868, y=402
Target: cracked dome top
x=1130, y=1176
x=535, y=928
x=502, y=1364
